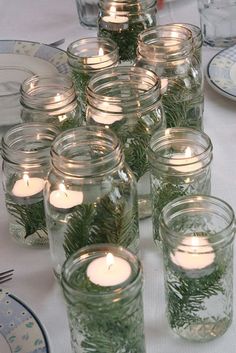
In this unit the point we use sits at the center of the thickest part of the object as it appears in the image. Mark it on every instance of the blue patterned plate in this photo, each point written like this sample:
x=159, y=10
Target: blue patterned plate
x=21, y=329
x=221, y=72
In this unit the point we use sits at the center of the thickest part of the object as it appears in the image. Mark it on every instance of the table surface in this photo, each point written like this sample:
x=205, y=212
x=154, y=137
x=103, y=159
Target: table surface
x=46, y=21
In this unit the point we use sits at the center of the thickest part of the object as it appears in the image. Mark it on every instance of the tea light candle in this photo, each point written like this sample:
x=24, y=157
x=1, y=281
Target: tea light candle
x=194, y=253
x=98, y=61
x=182, y=162
x=27, y=186
x=63, y=198
x=114, y=22
x=108, y=270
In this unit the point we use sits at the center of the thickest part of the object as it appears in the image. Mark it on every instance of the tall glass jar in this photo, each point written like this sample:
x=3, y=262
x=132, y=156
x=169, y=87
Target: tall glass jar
x=122, y=21
x=91, y=195
x=26, y=155
x=50, y=99
x=128, y=101
x=102, y=286
x=180, y=164
x=168, y=50
x=88, y=56
x=197, y=234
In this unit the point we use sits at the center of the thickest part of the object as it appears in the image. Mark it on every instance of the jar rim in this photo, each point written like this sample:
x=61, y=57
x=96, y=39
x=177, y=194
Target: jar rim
x=215, y=238
x=168, y=42
x=93, y=251
x=167, y=138
x=80, y=139
x=78, y=53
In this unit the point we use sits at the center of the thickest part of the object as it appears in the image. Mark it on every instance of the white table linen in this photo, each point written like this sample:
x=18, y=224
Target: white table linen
x=34, y=283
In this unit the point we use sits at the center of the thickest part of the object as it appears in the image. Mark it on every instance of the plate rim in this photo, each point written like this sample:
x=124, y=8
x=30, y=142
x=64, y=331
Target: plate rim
x=35, y=317
x=212, y=83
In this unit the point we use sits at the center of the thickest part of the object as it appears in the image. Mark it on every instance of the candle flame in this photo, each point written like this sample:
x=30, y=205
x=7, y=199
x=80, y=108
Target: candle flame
x=113, y=11
x=109, y=260
x=57, y=97
x=100, y=52
x=188, y=152
x=26, y=178
x=62, y=188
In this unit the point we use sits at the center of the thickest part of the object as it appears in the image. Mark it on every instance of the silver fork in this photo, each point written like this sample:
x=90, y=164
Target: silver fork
x=6, y=276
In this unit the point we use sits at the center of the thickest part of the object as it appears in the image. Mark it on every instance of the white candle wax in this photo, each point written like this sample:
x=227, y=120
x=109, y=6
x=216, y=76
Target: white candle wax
x=27, y=186
x=108, y=270
x=194, y=253
x=164, y=85
x=98, y=61
x=114, y=22
x=185, y=162
x=63, y=198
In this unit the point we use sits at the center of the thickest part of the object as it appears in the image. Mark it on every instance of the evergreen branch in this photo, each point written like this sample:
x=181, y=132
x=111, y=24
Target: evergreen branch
x=30, y=217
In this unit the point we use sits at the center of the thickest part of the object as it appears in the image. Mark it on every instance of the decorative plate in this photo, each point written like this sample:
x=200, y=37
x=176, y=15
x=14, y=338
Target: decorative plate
x=21, y=330
x=221, y=72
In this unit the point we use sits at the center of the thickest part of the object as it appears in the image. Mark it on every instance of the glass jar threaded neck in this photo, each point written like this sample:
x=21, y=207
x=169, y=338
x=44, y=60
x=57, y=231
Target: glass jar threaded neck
x=86, y=151
x=121, y=91
x=168, y=42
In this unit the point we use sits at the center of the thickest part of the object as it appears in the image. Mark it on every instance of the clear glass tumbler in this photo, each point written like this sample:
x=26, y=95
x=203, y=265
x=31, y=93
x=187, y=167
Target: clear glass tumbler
x=88, y=12
x=218, y=22
x=197, y=234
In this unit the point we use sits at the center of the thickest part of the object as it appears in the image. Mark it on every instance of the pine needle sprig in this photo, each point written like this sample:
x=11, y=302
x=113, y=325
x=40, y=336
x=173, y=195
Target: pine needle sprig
x=103, y=222
x=186, y=296
x=30, y=217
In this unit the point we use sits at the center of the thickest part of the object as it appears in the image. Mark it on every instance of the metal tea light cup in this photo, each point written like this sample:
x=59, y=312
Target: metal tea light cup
x=102, y=285
x=197, y=234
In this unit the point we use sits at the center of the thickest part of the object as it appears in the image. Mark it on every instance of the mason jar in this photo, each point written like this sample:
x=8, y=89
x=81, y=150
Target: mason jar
x=50, y=99
x=88, y=56
x=102, y=286
x=128, y=101
x=90, y=195
x=197, y=234
x=26, y=156
x=122, y=21
x=180, y=164
x=168, y=51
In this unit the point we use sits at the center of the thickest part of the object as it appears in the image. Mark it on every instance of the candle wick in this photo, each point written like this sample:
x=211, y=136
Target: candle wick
x=109, y=267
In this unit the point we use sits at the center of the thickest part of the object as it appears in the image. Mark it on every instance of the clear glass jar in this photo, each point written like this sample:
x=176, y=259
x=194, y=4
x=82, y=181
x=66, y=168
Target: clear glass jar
x=180, y=164
x=91, y=195
x=122, y=21
x=128, y=101
x=26, y=155
x=88, y=56
x=168, y=50
x=50, y=99
x=105, y=313
x=197, y=234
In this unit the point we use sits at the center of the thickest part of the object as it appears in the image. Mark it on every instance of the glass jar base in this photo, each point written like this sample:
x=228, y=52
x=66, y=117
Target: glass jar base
x=204, y=332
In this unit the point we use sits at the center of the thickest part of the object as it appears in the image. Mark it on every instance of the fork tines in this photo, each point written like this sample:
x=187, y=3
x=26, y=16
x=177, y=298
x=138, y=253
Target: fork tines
x=6, y=276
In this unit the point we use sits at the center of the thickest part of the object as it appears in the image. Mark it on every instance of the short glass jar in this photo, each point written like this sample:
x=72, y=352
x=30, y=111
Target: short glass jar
x=128, y=101
x=26, y=156
x=180, y=164
x=197, y=234
x=88, y=56
x=102, y=285
x=50, y=99
x=90, y=195
x=122, y=21
x=168, y=51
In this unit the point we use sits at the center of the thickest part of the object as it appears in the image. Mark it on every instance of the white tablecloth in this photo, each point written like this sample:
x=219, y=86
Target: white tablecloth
x=46, y=21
